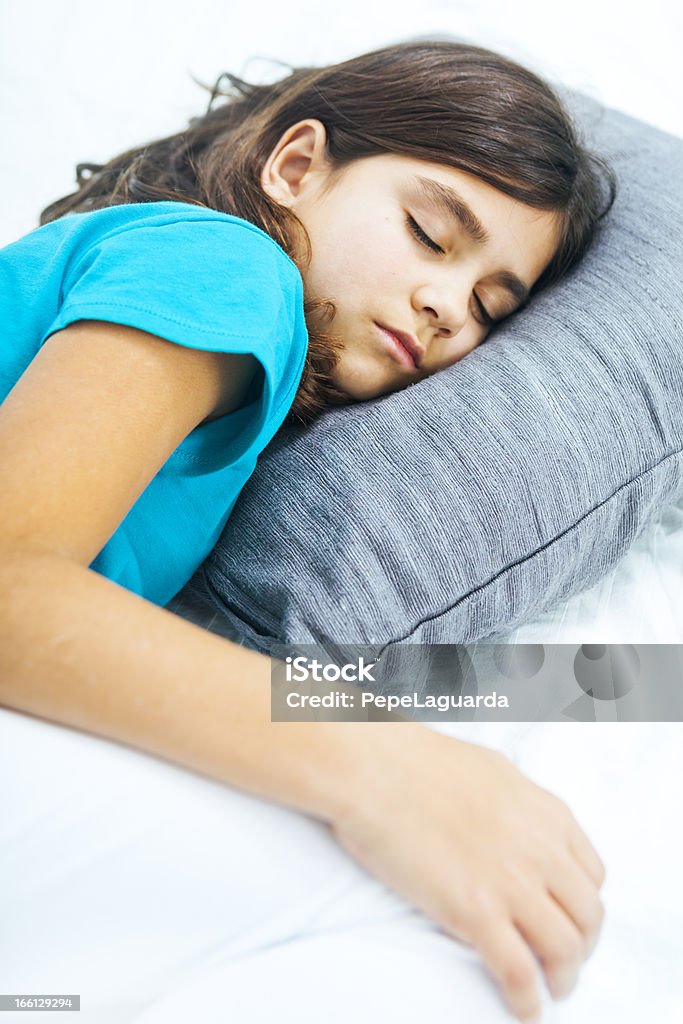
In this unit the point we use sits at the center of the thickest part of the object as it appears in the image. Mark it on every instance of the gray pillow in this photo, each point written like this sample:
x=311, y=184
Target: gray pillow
x=469, y=503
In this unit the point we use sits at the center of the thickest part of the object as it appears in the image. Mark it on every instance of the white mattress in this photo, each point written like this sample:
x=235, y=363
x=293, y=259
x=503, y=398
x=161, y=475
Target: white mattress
x=161, y=896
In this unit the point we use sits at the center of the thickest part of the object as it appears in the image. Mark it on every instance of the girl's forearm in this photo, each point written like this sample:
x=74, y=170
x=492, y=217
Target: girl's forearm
x=454, y=828
x=81, y=650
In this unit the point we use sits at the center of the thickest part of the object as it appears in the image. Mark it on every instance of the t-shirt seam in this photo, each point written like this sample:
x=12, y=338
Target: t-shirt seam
x=74, y=306
x=198, y=461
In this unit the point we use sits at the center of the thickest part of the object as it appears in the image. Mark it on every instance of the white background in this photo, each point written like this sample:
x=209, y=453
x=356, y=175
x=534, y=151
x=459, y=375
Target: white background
x=81, y=81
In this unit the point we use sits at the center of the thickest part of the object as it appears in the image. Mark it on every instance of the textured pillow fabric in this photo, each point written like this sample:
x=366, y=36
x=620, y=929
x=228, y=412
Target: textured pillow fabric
x=470, y=502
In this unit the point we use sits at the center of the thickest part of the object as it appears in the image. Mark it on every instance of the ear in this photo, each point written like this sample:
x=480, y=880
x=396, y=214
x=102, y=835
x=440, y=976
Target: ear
x=296, y=163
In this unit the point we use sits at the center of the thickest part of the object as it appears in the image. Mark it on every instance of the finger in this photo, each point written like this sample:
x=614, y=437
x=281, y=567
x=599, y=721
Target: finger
x=555, y=939
x=578, y=896
x=585, y=853
x=513, y=966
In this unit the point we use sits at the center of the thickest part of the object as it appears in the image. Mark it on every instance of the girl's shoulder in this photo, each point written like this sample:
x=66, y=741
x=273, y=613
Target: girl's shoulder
x=179, y=261
x=164, y=212
x=191, y=275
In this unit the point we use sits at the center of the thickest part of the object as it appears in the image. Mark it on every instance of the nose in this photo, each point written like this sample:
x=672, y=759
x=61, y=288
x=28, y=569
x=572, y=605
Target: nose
x=447, y=305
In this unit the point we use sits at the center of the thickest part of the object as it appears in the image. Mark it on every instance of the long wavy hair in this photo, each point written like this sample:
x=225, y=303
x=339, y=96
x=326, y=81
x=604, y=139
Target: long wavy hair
x=440, y=101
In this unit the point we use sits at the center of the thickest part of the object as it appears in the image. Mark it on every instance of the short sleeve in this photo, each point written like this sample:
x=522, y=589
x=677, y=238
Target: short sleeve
x=201, y=279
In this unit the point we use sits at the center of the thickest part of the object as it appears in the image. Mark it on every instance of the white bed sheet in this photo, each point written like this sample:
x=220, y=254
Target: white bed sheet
x=160, y=896
x=142, y=886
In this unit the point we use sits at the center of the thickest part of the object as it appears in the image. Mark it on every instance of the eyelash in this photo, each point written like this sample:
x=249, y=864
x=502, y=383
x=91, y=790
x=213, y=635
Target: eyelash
x=427, y=241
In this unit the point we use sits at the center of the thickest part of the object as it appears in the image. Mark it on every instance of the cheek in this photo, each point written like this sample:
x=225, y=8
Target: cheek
x=339, y=264
x=368, y=253
x=359, y=274
x=363, y=260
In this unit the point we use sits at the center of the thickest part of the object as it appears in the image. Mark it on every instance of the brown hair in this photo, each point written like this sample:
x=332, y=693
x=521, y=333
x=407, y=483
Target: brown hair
x=439, y=101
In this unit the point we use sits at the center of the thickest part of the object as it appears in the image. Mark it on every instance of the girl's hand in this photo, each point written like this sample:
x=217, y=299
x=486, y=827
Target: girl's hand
x=496, y=860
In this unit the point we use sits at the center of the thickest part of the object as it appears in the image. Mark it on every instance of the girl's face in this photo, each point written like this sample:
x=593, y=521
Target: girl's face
x=407, y=246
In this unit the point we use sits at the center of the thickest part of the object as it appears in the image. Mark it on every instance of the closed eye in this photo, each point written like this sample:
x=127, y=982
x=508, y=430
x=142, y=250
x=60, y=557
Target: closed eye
x=421, y=236
x=427, y=241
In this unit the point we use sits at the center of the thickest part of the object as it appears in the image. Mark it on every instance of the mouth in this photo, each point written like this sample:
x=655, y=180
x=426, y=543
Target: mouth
x=402, y=347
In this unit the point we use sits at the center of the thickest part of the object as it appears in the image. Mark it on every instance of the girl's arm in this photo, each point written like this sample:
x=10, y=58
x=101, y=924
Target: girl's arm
x=91, y=421
x=497, y=861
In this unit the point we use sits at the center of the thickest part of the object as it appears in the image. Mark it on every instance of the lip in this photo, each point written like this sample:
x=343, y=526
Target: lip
x=404, y=345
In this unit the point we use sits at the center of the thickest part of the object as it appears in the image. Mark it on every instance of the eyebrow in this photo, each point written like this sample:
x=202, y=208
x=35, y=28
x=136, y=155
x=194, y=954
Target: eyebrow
x=447, y=201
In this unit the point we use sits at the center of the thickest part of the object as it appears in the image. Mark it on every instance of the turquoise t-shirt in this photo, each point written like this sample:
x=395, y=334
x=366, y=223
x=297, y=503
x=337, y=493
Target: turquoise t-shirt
x=195, y=277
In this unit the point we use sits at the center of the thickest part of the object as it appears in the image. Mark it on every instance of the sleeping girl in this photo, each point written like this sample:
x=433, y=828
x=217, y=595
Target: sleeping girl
x=321, y=241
